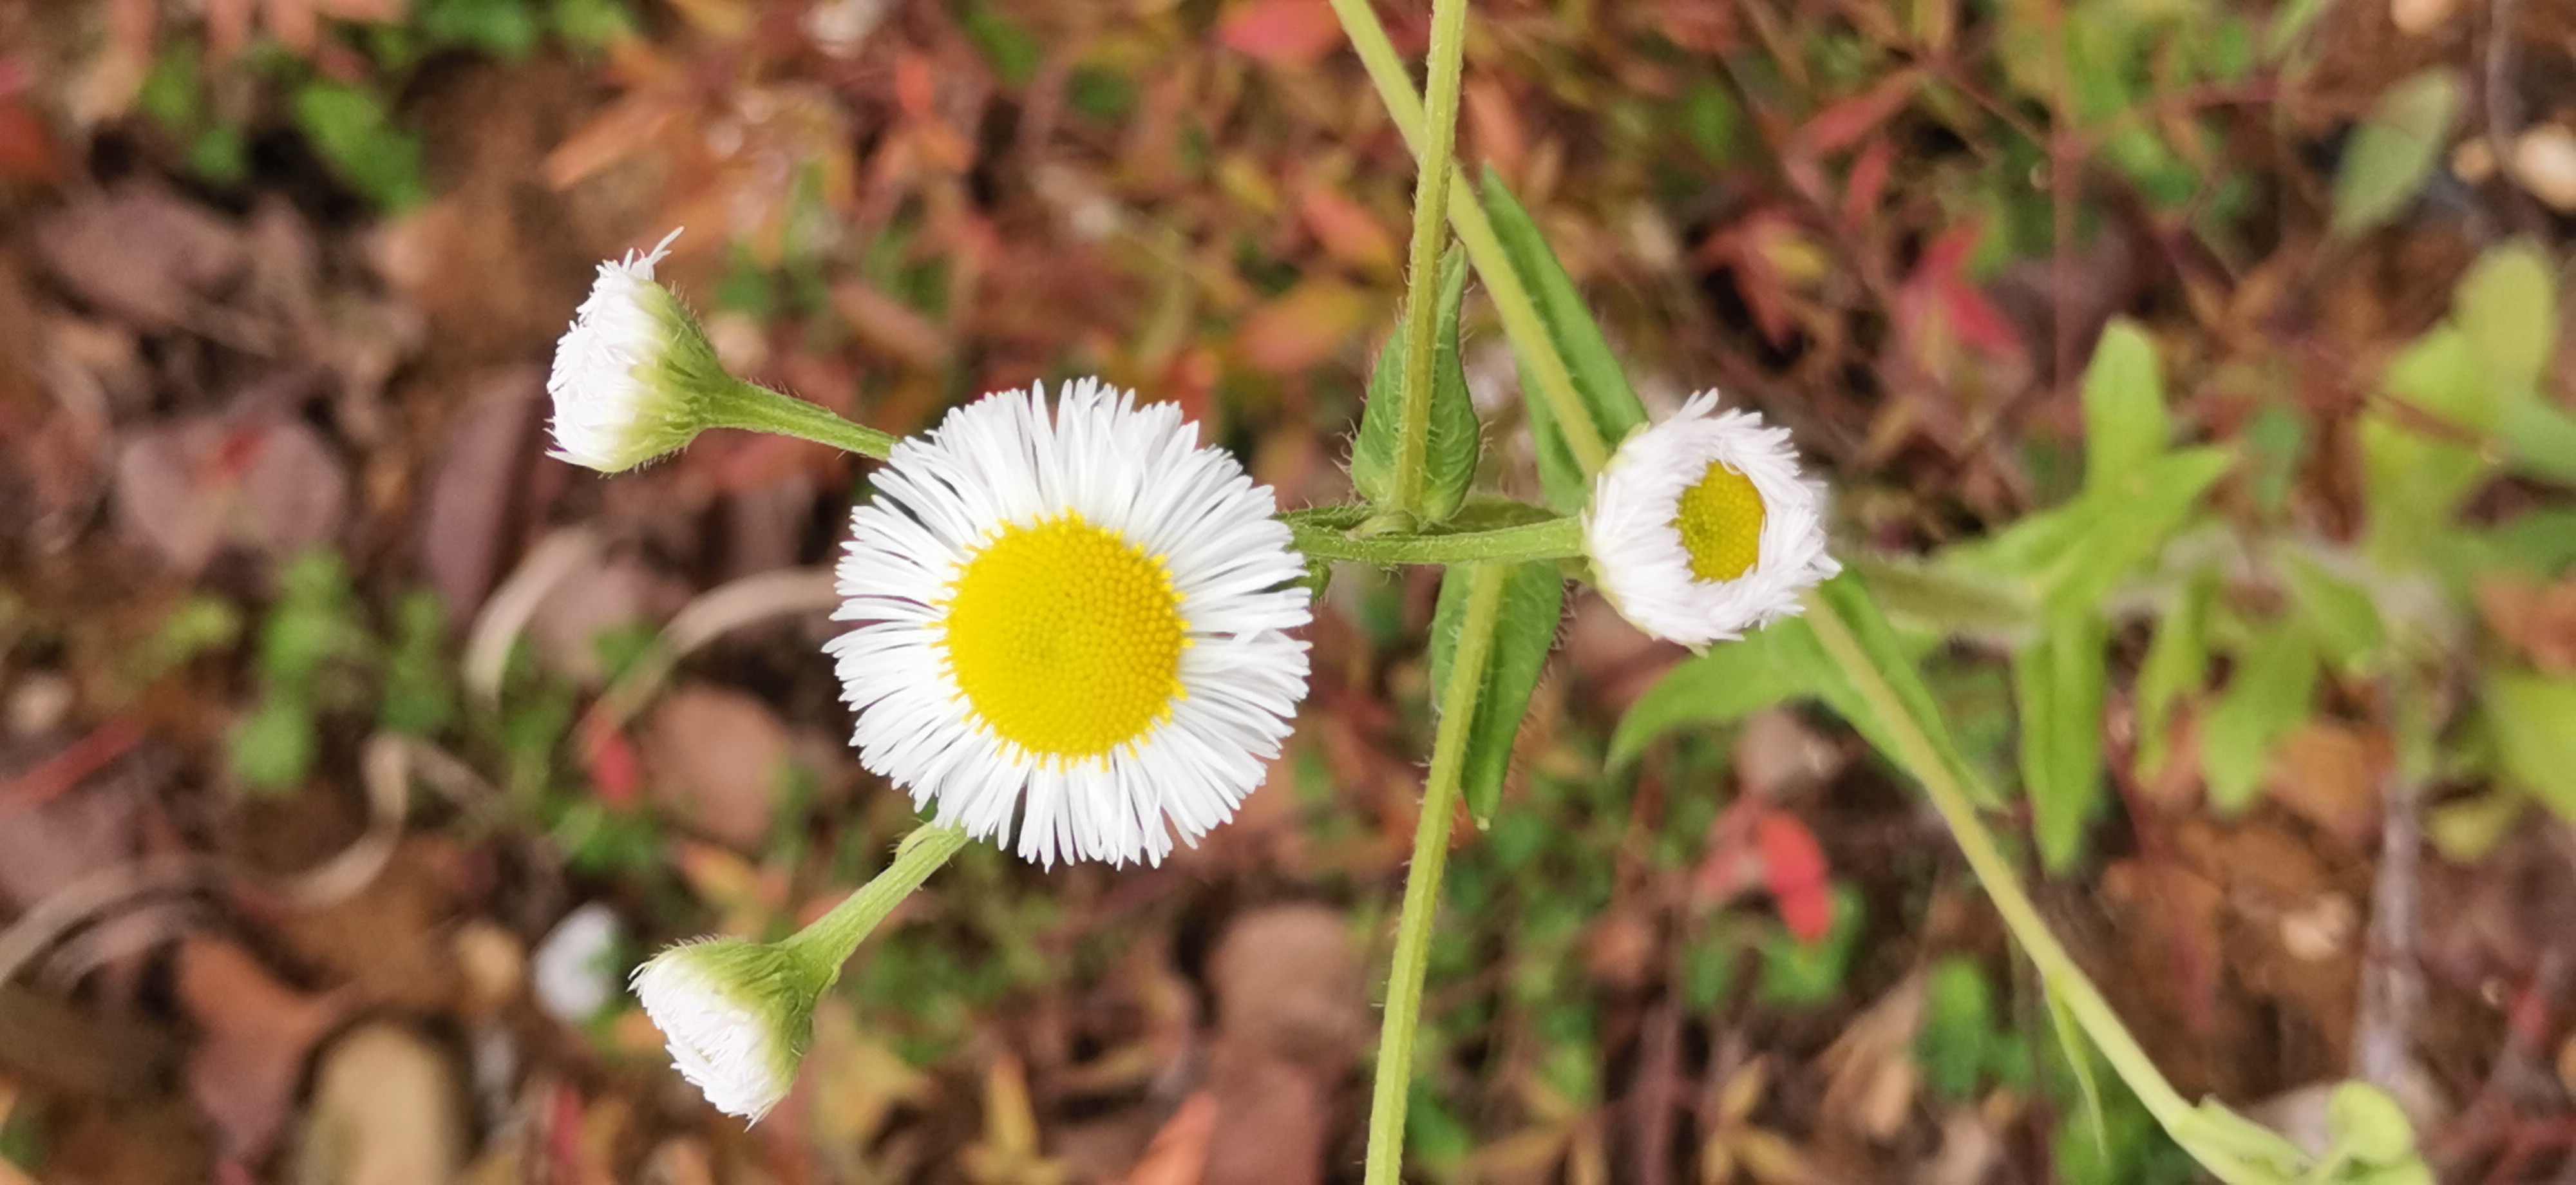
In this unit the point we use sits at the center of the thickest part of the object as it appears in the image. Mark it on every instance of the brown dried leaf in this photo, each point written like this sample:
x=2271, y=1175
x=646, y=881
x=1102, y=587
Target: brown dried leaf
x=254, y=1035
x=1304, y=326
x=465, y=513
x=140, y=253
x=1179, y=1153
x=1288, y=983
x=718, y=760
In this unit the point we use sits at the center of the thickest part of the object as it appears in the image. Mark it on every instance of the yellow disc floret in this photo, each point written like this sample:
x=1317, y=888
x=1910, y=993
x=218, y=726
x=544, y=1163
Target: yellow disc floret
x=1066, y=638
x=1720, y=519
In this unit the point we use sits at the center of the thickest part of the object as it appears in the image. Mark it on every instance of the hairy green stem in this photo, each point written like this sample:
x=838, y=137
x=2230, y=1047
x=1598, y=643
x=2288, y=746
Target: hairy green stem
x=1394, y=1088
x=759, y=409
x=1511, y=297
x=1915, y=750
x=1555, y=539
x=835, y=936
x=1430, y=234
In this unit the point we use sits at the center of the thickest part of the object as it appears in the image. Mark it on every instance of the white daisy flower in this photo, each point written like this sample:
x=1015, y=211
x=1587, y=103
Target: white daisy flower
x=630, y=375
x=1079, y=619
x=737, y=1016
x=1700, y=528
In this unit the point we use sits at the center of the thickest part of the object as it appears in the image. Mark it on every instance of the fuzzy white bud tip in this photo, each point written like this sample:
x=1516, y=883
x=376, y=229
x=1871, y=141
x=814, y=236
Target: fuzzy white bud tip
x=613, y=408
x=736, y=1028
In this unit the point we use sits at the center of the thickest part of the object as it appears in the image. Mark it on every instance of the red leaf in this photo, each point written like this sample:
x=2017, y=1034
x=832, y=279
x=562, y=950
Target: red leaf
x=1842, y=124
x=1972, y=317
x=28, y=153
x=1281, y=32
x=1793, y=865
x=1868, y=182
x=610, y=759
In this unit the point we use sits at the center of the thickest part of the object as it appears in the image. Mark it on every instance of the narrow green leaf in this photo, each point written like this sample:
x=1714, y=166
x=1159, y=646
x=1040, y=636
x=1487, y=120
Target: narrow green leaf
x=2271, y=691
x=2124, y=405
x=2534, y=719
x=2177, y=665
x=2079, y=1060
x=2508, y=307
x=1597, y=377
x=1449, y=458
x=2058, y=685
x=1730, y=682
x=2394, y=149
x=1947, y=599
x=1533, y=596
x=2133, y=515
x=2073, y=556
x=2415, y=482
x=2341, y=615
x=2539, y=440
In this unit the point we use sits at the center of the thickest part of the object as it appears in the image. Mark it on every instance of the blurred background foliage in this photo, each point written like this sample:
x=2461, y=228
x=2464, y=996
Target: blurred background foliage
x=2186, y=374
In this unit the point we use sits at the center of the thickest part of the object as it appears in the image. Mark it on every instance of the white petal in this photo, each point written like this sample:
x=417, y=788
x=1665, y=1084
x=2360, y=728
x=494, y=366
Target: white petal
x=1139, y=472
x=606, y=415
x=1637, y=552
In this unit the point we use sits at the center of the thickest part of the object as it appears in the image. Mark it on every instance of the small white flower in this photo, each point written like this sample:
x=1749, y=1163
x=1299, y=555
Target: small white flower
x=737, y=1016
x=630, y=372
x=1078, y=619
x=1700, y=528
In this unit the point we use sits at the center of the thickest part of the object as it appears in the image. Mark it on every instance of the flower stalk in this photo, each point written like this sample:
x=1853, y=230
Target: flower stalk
x=1430, y=234
x=755, y=408
x=832, y=938
x=1394, y=1086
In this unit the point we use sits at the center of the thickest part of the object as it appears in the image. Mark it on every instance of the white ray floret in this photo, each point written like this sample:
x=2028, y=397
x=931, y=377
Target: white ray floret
x=1073, y=620
x=1700, y=527
x=737, y=1017
x=628, y=374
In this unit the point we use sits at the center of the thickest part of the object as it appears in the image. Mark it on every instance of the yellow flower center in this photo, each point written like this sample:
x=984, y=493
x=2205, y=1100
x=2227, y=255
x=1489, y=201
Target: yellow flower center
x=1066, y=638
x=1721, y=524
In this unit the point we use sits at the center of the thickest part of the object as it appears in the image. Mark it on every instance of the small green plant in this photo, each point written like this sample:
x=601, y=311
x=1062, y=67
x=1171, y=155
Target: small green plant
x=317, y=658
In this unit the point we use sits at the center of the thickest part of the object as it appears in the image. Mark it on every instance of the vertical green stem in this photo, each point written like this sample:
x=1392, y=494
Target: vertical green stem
x=835, y=936
x=1394, y=1089
x=759, y=409
x=1430, y=233
x=1511, y=297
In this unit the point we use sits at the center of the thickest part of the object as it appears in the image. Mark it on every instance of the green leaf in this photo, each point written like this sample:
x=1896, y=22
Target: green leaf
x=2125, y=425
x=506, y=29
x=1449, y=453
x=2270, y=693
x=2415, y=482
x=2058, y=685
x=2072, y=557
x=2394, y=149
x=1730, y=682
x=2079, y=1059
x=2368, y=1125
x=2339, y=613
x=1533, y=596
x=1797, y=974
x=1946, y=599
x=352, y=130
x=272, y=748
x=2534, y=719
x=2508, y=307
x=1598, y=379
x=2177, y=665
x=2539, y=440
x=2131, y=517
x=1958, y=1025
